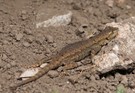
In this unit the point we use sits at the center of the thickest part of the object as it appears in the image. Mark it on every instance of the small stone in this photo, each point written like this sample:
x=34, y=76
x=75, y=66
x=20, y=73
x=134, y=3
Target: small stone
x=28, y=31
x=110, y=3
x=77, y=6
x=117, y=75
x=19, y=36
x=8, y=66
x=92, y=78
x=128, y=7
x=79, y=63
x=134, y=71
x=82, y=28
x=82, y=31
x=30, y=39
x=53, y=73
x=26, y=44
x=12, y=57
x=40, y=38
x=8, y=77
x=54, y=45
x=49, y=38
x=70, y=1
x=5, y=42
x=97, y=77
x=24, y=12
x=13, y=63
x=60, y=69
x=37, y=51
x=17, y=74
x=4, y=57
x=0, y=88
x=24, y=15
x=124, y=80
x=120, y=1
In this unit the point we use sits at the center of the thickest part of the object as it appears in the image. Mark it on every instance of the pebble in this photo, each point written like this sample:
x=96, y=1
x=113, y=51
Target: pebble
x=4, y=57
x=118, y=76
x=134, y=71
x=12, y=57
x=24, y=15
x=82, y=30
x=40, y=39
x=13, y=63
x=8, y=66
x=0, y=88
x=53, y=73
x=60, y=69
x=54, y=45
x=124, y=80
x=26, y=44
x=19, y=36
x=77, y=6
x=49, y=38
x=37, y=51
x=28, y=31
x=92, y=78
x=5, y=42
x=79, y=63
x=2, y=64
x=8, y=77
x=30, y=39
x=109, y=3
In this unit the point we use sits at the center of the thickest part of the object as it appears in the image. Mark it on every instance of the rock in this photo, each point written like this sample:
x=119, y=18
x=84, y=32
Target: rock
x=5, y=42
x=26, y=44
x=118, y=76
x=110, y=3
x=12, y=57
x=40, y=38
x=54, y=45
x=61, y=20
x=8, y=66
x=24, y=15
x=92, y=78
x=4, y=57
x=37, y=51
x=124, y=80
x=0, y=88
x=19, y=36
x=8, y=77
x=120, y=1
x=82, y=30
x=53, y=73
x=30, y=39
x=28, y=31
x=79, y=63
x=13, y=63
x=49, y=38
x=77, y=6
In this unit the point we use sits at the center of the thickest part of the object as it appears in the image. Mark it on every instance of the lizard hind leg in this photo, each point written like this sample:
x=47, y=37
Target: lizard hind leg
x=67, y=66
x=70, y=65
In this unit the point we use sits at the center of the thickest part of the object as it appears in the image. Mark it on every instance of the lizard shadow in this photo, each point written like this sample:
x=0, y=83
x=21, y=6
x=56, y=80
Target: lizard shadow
x=123, y=71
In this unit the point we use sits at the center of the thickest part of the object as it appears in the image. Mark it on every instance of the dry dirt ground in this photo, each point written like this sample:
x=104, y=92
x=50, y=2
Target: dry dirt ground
x=22, y=44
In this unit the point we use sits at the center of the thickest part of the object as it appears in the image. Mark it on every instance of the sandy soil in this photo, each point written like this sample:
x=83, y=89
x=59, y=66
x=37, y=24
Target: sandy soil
x=22, y=44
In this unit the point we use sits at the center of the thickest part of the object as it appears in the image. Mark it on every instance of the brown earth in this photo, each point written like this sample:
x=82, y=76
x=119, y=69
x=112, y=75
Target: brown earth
x=22, y=44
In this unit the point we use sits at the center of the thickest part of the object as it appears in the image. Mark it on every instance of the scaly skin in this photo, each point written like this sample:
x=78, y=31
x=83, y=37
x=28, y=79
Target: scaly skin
x=75, y=52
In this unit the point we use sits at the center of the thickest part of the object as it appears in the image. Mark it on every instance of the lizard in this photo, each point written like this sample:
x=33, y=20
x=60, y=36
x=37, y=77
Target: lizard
x=74, y=52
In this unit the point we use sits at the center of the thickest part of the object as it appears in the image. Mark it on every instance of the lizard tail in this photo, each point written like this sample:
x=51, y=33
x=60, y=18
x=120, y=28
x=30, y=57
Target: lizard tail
x=39, y=74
